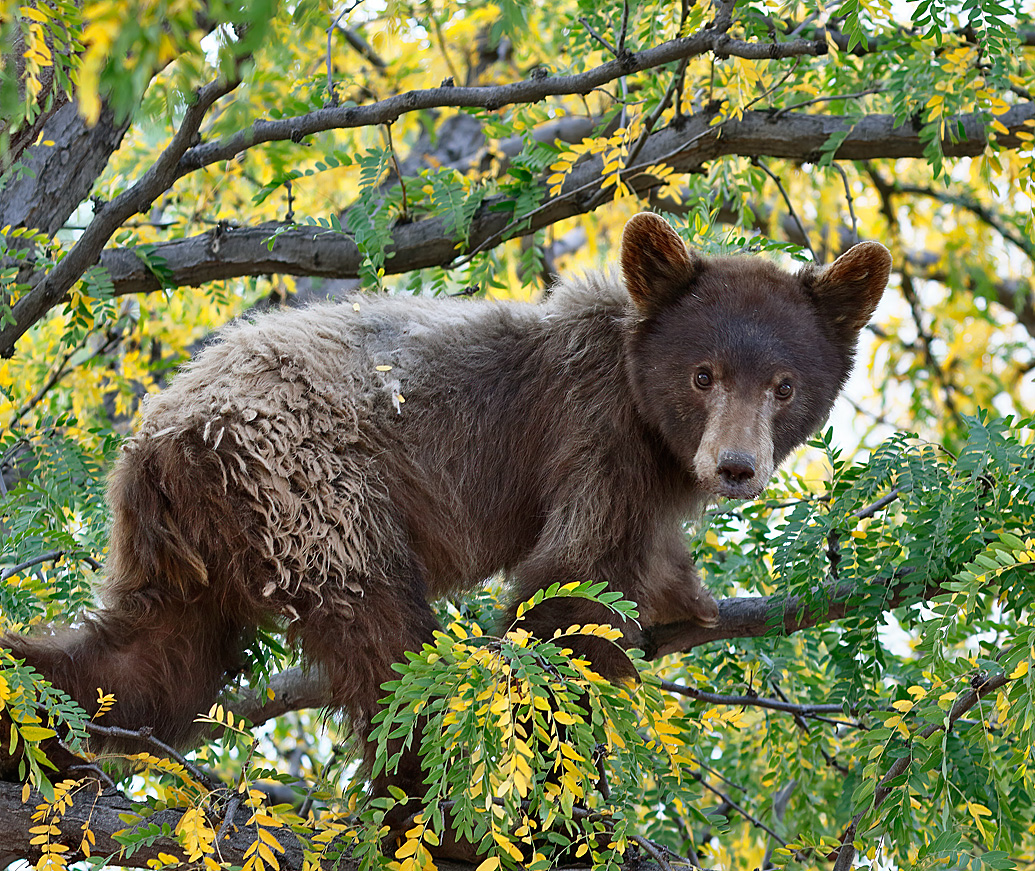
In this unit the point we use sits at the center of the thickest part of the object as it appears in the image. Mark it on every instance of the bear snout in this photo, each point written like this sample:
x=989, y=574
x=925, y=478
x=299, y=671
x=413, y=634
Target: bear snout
x=735, y=468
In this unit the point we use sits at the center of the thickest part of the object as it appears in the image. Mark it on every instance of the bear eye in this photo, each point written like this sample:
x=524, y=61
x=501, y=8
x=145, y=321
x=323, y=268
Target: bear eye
x=784, y=390
x=703, y=379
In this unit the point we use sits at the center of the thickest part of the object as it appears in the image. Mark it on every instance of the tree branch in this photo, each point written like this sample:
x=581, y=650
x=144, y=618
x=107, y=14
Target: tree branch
x=227, y=253
x=59, y=172
x=490, y=97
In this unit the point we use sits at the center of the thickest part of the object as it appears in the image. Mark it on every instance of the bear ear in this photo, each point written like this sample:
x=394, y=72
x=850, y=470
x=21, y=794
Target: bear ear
x=847, y=291
x=656, y=263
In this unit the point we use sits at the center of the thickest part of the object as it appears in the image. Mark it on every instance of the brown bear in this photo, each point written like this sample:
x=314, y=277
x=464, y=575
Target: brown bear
x=334, y=468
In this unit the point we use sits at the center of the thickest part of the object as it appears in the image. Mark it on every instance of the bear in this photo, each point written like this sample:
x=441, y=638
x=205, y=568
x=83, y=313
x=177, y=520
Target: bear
x=331, y=470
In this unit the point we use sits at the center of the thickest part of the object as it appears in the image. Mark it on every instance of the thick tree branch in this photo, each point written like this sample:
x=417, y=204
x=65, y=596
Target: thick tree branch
x=739, y=617
x=59, y=172
x=232, y=252
x=755, y=616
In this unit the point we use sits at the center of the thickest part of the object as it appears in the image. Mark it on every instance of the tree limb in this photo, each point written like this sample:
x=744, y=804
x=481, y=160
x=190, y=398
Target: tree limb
x=59, y=173
x=489, y=97
x=240, y=251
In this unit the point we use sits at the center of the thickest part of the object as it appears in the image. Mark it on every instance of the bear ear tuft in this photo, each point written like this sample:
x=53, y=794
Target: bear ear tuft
x=656, y=263
x=847, y=291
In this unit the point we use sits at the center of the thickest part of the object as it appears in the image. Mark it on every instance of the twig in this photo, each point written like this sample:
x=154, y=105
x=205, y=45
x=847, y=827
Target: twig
x=442, y=46
x=331, y=94
x=809, y=711
x=850, y=201
x=981, y=212
x=625, y=27
x=599, y=37
x=145, y=735
x=757, y=823
x=50, y=555
x=799, y=721
x=719, y=774
x=398, y=173
x=883, y=502
x=885, y=190
x=59, y=371
x=751, y=701
x=666, y=101
x=757, y=161
x=779, y=113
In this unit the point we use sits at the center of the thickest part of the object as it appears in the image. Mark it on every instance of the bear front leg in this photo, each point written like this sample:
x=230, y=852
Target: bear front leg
x=673, y=590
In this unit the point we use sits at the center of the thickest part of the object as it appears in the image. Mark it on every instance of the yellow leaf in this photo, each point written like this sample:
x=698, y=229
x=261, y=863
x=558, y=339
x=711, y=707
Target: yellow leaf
x=408, y=848
x=36, y=733
x=1020, y=671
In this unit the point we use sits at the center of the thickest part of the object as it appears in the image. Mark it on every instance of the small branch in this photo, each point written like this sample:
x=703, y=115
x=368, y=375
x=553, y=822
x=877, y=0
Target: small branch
x=31, y=563
x=145, y=736
x=442, y=46
x=59, y=371
x=331, y=95
x=751, y=701
x=597, y=36
x=851, y=203
x=398, y=173
x=757, y=823
x=830, y=99
x=981, y=212
x=49, y=556
x=356, y=40
x=799, y=721
x=790, y=206
x=885, y=190
x=883, y=502
x=655, y=116
x=844, y=856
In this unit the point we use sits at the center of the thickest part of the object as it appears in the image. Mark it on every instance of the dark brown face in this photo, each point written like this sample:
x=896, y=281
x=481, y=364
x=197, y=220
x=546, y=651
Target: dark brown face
x=736, y=374
x=734, y=361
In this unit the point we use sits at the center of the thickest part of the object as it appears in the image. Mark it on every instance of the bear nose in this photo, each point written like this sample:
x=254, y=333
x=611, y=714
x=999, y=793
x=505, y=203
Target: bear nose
x=736, y=467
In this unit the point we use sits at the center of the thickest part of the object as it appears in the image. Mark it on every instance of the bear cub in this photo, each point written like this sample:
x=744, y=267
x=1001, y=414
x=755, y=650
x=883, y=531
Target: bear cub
x=333, y=469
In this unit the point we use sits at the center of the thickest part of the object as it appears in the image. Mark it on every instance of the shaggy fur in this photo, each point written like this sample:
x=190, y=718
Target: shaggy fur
x=337, y=467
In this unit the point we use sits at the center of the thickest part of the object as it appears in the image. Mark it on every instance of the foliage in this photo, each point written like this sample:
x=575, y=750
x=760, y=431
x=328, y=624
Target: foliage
x=280, y=150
